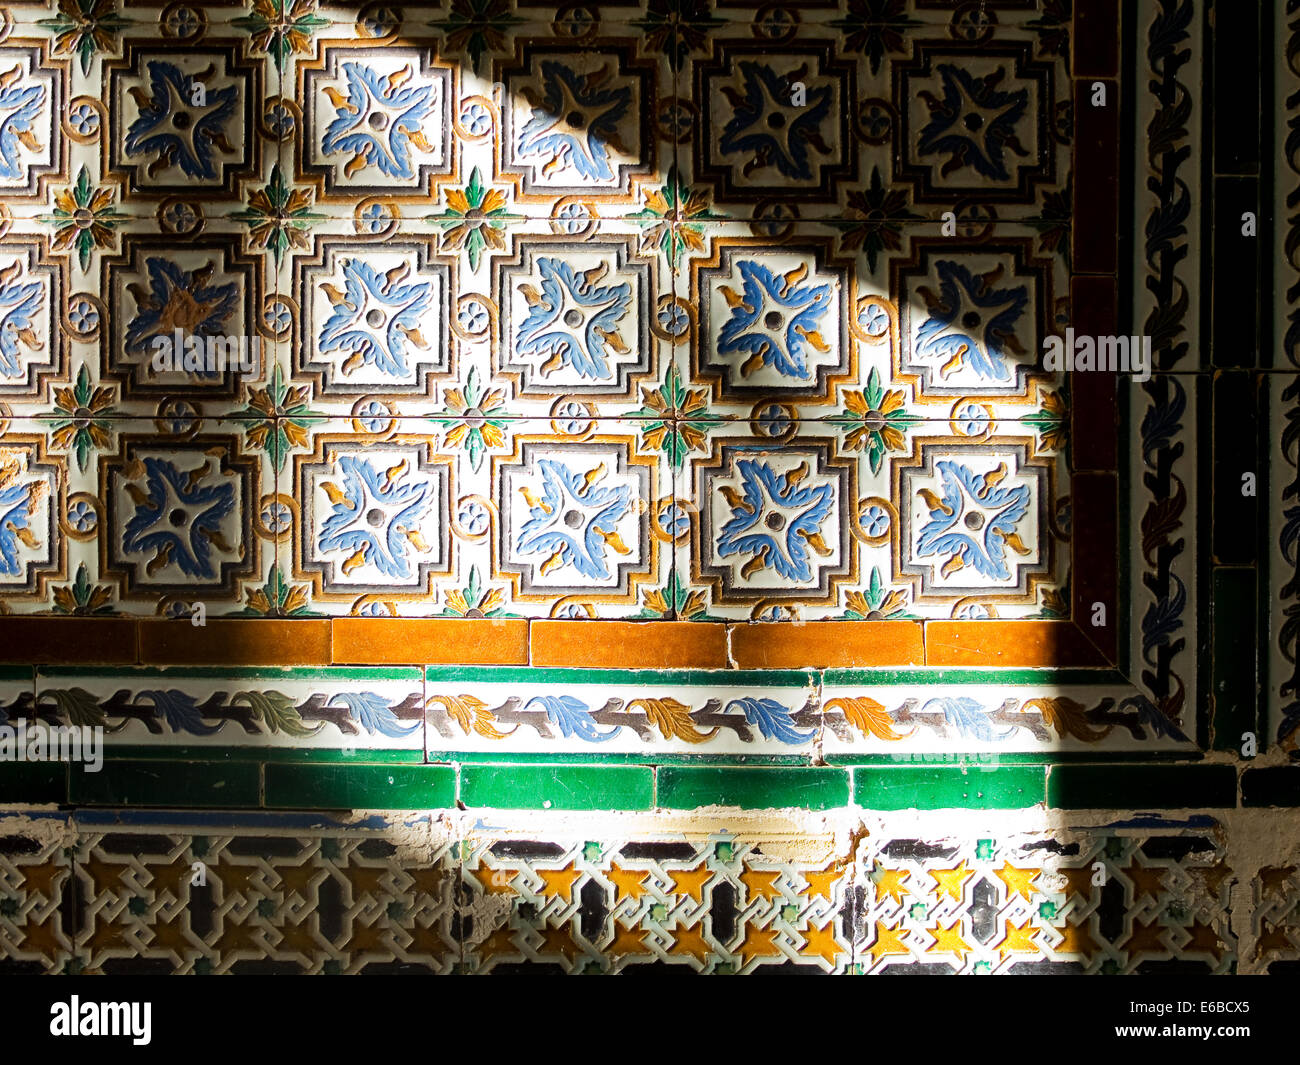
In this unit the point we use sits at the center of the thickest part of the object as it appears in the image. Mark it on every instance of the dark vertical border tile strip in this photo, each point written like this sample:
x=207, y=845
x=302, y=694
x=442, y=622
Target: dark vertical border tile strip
x=1234, y=266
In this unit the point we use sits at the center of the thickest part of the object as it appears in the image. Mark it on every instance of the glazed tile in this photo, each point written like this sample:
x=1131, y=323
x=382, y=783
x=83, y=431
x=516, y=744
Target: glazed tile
x=626, y=558
x=869, y=25
x=1282, y=698
x=33, y=878
x=851, y=536
x=127, y=516
x=890, y=719
x=1093, y=901
x=109, y=330
x=220, y=709
x=443, y=317
x=798, y=316
x=475, y=511
x=717, y=903
x=458, y=95
x=505, y=712
x=273, y=899
x=1171, y=117
x=1169, y=416
x=842, y=117
x=169, y=118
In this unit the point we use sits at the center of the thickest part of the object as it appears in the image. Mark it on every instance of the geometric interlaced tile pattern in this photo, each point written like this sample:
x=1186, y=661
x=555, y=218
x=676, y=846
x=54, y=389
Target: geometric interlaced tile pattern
x=427, y=897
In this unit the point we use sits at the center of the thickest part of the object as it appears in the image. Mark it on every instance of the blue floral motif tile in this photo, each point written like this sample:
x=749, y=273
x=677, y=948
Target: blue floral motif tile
x=562, y=119
x=864, y=111
x=417, y=517
x=141, y=517
x=126, y=113
x=437, y=316
x=805, y=315
x=848, y=518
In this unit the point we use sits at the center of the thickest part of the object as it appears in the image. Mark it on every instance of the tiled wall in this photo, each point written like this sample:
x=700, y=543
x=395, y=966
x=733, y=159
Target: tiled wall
x=635, y=432
x=100, y=893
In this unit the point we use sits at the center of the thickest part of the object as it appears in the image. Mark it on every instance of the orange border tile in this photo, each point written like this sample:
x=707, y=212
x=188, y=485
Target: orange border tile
x=431, y=641
x=1004, y=644
x=28, y=640
x=629, y=644
x=236, y=642
x=827, y=644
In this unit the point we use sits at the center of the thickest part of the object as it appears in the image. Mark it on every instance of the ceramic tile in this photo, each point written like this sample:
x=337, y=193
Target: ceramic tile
x=443, y=317
x=872, y=25
x=1107, y=902
x=127, y=516
x=527, y=518
x=1285, y=174
x=718, y=904
x=845, y=117
x=1273, y=919
x=889, y=719
x=34, y=874
x=807, y=316
x=1282, y=697
x=1169, y=164
x=1164, y=586
x=476, y=91
x=803, y=525
x=504, y=712
x=126, y=114
x=580, y=893
x=269, y=900
x=154, y=322
x=355, y=710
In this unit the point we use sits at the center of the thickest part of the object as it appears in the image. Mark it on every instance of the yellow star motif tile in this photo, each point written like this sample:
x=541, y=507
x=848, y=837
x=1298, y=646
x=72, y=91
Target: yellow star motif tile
x=1019, y=939
x=42, y=879
x=1076, y=939
x=501, y=941
x=822, y=883
x=949, y=940
x=889, y=883
x=234, y=878
x=1273, y=939
x=558, y=883
x=1145, y=938
x=758, y=943
x=1204, y=939
x=297, y=879
x=691, y=881
x=1018, y=881
x=1078, y=880
x=888, y=941
x=952, y=882
x=1146, y=879
x=559, y=941
x=761, y=883
x=821, y=943
x=365, y=879
x=494, y=881
x=689, y=940
x=629, y=883
x=627, y=941
x=41, y=937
